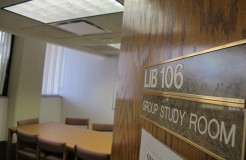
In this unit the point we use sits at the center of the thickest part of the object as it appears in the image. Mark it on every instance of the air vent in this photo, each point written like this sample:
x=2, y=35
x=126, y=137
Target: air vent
x=81, y=28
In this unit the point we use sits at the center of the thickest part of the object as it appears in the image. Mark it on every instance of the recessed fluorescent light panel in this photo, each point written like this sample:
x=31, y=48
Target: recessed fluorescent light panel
x=49, y=11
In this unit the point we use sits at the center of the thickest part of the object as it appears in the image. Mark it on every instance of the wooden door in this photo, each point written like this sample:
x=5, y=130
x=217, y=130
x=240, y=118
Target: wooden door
x=158, y=30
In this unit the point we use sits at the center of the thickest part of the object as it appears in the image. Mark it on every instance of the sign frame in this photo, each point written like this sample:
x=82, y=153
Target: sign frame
x=207, y=99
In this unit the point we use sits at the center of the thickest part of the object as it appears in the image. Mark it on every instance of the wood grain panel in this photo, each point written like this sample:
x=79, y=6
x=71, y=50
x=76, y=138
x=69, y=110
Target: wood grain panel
x=158, y=30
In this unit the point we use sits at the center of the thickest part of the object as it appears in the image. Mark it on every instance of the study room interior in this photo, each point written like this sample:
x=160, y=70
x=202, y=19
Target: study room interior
x=123, y=79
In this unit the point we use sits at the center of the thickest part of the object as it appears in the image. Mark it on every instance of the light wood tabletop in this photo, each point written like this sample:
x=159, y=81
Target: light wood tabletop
x=72, y=135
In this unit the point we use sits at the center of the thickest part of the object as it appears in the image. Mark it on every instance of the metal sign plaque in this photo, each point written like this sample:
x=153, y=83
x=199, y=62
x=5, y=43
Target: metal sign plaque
x=200, y=98
x=219, y=73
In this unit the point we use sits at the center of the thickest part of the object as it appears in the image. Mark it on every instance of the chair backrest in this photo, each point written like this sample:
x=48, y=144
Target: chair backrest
x=102, y=127
x=51, y=149
x=26, y=138
x=83, y=154
x=26, y=146
x=28, y=121
x=77, y=121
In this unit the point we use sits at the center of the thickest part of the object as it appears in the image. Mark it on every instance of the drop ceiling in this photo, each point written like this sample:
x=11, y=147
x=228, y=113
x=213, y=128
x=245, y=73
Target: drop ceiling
x=107, y=30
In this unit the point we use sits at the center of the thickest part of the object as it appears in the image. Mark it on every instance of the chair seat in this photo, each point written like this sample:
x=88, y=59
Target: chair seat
x=83, y=154
x=26, y=145
x=52, y=158
x=51, y=149
x=27, y=152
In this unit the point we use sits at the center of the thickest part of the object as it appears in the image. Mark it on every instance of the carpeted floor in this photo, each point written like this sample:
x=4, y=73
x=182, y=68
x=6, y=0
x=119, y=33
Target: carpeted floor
x=3, y=147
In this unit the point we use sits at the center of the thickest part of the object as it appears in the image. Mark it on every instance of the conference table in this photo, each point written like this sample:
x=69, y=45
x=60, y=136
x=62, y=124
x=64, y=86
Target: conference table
x=72, y=135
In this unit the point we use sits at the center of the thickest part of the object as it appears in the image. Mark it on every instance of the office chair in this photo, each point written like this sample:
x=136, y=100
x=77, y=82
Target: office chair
x=83, y=154
x=77, y=121
x=27, y=121
x=51, y=150
x=102, y=127
x=26, y=147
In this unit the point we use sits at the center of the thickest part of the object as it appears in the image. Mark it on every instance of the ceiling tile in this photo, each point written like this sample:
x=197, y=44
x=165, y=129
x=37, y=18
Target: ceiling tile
x=47, y=31
x=96, y=44
x=121, y=1
x=76, y=41
x=105, y=38
x=111, y=22
x=15, y=22
x=5, y=3
x=104, y=49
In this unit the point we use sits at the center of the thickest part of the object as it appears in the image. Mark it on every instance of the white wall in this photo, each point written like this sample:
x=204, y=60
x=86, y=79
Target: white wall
x=3, y=117
x=25, y=81
x=88, y=86
x=87, y=91
x=50, y=110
